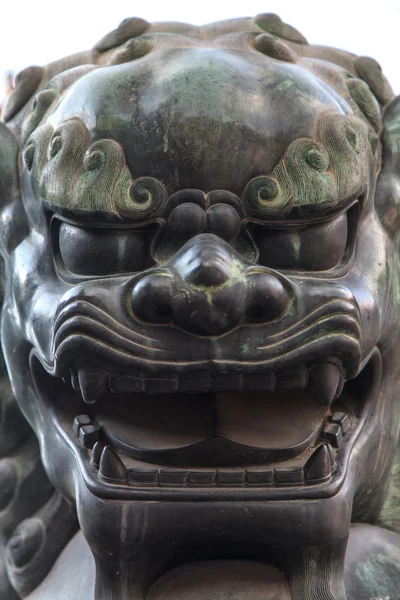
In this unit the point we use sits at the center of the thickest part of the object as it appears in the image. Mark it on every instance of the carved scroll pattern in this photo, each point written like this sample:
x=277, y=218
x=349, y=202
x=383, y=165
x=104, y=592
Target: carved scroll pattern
x=91, y=179
x=314, y=175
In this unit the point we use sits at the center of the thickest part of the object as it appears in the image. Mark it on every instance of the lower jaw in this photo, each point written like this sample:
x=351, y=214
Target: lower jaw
x=283, y=481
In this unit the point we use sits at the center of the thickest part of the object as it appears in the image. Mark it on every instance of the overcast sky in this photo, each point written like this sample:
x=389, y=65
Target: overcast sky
x=39, y=31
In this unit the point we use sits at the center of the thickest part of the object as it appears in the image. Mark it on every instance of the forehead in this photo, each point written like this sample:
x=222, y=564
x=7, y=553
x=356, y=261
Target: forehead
x=272, y=133
x=203, y=118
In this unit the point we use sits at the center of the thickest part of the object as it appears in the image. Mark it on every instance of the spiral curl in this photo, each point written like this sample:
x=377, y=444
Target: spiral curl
x=264, y=196
x=93, y=179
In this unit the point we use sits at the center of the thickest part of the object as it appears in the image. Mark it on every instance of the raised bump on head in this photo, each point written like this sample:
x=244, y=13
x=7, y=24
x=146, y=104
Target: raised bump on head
x=274, y=24
x=129, y=28
x=271, y=46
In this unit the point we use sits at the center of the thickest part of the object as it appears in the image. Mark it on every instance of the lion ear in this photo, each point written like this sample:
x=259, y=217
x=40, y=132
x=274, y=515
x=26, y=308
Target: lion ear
x=13, y=220
x=387, y=201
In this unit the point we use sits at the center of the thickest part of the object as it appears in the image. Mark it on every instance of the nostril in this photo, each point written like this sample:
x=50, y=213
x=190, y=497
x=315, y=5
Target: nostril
x=266, y=298
x=255, y=313
x=151, y=299
x=164, y=312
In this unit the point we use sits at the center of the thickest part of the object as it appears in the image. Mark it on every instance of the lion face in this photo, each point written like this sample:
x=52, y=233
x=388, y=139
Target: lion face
x=204, y=306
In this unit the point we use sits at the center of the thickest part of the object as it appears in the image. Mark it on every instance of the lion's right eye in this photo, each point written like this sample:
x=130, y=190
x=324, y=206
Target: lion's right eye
x=98, y=251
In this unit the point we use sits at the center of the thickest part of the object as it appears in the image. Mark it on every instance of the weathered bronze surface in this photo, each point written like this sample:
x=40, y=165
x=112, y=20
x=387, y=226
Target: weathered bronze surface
x=200, y=320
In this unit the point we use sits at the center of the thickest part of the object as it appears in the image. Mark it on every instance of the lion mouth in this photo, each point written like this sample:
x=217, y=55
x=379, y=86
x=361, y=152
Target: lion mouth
x=293, y=430
x=213, y=427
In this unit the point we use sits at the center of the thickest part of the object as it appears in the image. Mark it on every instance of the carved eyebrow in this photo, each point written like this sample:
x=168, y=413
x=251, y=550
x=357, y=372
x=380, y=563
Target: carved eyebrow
x=83, y=178
x=315, y=177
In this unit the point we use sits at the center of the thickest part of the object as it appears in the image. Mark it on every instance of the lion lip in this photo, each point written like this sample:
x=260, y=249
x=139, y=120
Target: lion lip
x=82, y=330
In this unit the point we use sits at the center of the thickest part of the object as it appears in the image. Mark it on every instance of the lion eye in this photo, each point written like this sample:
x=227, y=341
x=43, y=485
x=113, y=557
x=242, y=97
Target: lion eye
x=97, y=252
x=318, y=247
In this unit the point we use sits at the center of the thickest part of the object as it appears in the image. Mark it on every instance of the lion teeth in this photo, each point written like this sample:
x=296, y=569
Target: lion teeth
x=289, y=475
x=334, y=434
x=319, y=468
x=161, y=385
x=126, y=384
x=340, y=386
x=325, y=382
x=341, y=419
x=296, y=379
x=325, y=379
x=80, y=421
x=75, y=381
x=92, y=383
x=111, y=466
x=97, y=451
x=319, y=465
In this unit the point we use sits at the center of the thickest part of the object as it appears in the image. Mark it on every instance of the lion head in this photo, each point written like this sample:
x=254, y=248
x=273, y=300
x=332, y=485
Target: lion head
x=200, y=318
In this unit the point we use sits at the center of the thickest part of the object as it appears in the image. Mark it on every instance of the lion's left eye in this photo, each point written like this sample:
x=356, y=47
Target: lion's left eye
x=97, y=252
x=318, y=247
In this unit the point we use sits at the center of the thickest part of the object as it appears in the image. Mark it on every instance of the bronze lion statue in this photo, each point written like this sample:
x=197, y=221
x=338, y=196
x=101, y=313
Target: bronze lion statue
x=200, y=320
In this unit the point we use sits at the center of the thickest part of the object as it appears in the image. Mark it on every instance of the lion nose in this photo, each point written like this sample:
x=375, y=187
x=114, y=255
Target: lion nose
x=206, y=264
x=208, y=289
x=207, y=272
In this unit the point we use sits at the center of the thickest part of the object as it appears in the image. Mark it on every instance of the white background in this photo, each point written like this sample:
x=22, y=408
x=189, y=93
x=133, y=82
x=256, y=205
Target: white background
x=40, y=31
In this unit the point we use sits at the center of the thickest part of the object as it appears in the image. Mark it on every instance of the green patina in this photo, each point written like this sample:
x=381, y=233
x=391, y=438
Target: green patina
x=296, y=244
x=110, y=122
x=378, y=575
x=236, y=275
x=396, y=283
x=390, y=514
x=285, y=85
x=168, y=120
